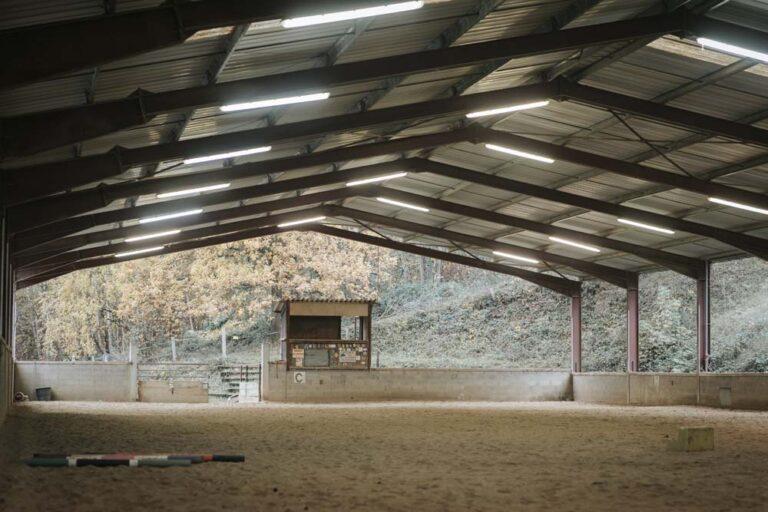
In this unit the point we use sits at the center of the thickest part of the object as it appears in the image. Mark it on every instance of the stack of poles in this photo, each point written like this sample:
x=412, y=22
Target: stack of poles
x=125, y=459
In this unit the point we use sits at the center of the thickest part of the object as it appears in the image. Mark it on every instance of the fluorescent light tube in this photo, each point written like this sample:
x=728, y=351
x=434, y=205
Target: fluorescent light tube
x=506, y=110
x=302, y=221
x=513, y=257
x=377, y=179
x=275, y=102
x=231, y=154
x=522, y=154
x=351, y=15
x=646, y=226
x=139, y=251
x=186, y=213
x=188, y=191
x=404, y=205
x=732, y=49
x=738, y=205
x=574, y=244
x=153, y=235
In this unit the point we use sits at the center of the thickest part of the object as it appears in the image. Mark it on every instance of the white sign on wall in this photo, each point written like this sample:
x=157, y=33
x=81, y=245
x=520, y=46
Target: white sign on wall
x=299, y=377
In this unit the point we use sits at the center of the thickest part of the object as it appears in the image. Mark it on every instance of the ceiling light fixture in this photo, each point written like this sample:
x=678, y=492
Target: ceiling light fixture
x=186, y=213
x=188, y=191
x=732, y=49
x=139, y=251
x=351, y=15
x=521, y=154
x=231, y=154
x=377, y=179
x=302, y=221
x=153, y=235
x=404, y=205
x=738, y=205
x=506, y=110
x=574, y=244
x=513, y=257
x=647, y=226
x=275, y=102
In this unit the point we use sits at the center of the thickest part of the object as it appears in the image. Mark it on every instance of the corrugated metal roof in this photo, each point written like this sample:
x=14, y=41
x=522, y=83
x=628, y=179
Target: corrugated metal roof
x=662, y=66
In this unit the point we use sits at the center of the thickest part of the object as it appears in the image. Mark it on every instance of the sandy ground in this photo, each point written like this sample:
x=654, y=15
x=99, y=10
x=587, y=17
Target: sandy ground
x=404, y=456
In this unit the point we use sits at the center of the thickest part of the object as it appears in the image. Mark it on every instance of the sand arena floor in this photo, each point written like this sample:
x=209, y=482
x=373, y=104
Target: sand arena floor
x=409, y=456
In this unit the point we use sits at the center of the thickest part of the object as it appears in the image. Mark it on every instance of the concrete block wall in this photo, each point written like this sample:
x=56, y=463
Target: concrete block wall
x=663, y=389
x=413, y=384
x=77, y=381
x=178, y=392
x=601, y=388
x=736, y=391
x=98, y=381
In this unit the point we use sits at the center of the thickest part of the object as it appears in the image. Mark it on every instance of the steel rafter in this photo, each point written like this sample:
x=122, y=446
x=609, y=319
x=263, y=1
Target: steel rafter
x=99, y=166
x=624, y=168
x=267, y=225
x=44, y=237
x=64, y=259
x=569, y=67
x=22, y=135
x=27, y=52
x=557, y=284
x=444, y=40
x=50, y=209
x=62, y=175
x=75, y=224
x=185, y=246
x=690, y=267
x=52, y=251
x=560, y=285
x=51, y=248
x=614, y=276
x=750, y=244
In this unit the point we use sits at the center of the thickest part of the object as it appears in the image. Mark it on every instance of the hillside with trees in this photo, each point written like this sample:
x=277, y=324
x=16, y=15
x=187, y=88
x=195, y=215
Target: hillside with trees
x=429, y=313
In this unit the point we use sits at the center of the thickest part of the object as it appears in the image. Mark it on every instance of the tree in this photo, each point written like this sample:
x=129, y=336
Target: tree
x=97, y=311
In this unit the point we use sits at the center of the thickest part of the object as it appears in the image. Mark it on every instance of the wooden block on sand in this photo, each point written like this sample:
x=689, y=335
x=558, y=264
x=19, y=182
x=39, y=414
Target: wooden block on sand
x=694, y=439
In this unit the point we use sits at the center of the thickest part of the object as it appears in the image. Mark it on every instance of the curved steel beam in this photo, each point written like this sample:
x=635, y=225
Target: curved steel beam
x=628, y=169
x=750, y=244
x=54, y=250
x=560, y=285
x=34, y=53
x=617, y=277
x=50, y=209
x=29, y=182
x=36, y=132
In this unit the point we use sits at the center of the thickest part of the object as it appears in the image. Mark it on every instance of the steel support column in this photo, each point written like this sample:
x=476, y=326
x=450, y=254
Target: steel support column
x=633, y=328
x=703, y=319
x=576, y=333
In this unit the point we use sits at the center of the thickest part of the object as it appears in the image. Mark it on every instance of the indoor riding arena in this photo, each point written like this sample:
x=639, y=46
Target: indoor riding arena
x=438, y=255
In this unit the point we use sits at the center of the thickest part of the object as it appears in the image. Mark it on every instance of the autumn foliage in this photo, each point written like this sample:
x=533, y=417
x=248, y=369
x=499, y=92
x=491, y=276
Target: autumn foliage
x=97, y=311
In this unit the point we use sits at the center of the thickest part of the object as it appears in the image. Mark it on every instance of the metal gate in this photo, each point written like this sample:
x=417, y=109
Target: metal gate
x=231, y=381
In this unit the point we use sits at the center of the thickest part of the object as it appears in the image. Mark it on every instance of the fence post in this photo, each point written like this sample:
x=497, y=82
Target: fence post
x=173, y=349
x=224, y=343
x=133, y=360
